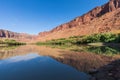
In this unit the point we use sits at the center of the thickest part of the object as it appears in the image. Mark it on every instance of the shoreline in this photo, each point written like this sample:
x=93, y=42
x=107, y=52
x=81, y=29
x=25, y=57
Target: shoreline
x=107, y=72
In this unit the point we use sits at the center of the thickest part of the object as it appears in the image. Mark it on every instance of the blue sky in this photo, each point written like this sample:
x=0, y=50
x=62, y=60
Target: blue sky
x=34, y=16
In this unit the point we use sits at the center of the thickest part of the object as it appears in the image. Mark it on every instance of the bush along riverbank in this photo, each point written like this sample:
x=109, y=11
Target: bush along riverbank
x=10, y=42
x=104, y=43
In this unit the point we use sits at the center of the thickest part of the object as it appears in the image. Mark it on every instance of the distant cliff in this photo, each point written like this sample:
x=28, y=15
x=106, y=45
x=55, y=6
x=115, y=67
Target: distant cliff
x=23, y=37
x=8, y=34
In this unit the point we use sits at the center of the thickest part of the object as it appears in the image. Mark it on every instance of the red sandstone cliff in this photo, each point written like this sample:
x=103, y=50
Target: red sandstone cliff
x=101, y=19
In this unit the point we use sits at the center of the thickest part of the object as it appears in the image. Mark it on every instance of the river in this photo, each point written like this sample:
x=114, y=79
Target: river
x=31, y=62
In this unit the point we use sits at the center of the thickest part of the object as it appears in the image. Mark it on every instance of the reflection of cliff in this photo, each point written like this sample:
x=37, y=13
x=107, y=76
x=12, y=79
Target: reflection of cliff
x=84, y=61
x=22, y=50
x=80, y=60
x=7, y=52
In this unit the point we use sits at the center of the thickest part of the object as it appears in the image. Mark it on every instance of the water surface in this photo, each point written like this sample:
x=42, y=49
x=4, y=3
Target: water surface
x=33, y=66
x=32, y=62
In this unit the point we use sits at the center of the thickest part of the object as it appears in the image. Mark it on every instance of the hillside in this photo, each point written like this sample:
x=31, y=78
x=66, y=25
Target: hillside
x=22, y=37
x=101, y=19
x=105, y=18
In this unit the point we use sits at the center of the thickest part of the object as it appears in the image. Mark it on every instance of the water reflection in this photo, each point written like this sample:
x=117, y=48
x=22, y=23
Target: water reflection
x=36, y=67
x=19, y=58
x=82, y=61
x=103, y=50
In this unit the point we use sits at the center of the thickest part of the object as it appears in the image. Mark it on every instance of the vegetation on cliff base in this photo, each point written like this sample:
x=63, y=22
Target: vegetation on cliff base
x=76, y=40
x=103, y=44
x=10, y=42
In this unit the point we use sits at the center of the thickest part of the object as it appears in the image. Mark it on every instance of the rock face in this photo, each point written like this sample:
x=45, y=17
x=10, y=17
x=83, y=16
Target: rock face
x=8, y=34
x=101, y=19
x=23, y=37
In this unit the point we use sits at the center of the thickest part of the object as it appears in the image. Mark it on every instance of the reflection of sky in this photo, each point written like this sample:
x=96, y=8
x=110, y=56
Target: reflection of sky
x=20, y=58
x=35, y=67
